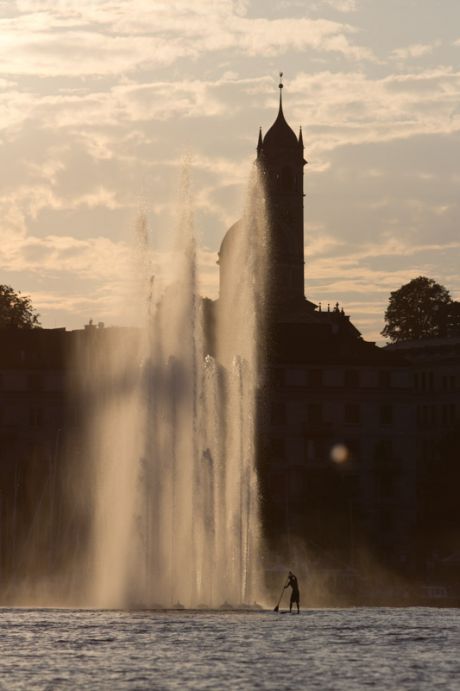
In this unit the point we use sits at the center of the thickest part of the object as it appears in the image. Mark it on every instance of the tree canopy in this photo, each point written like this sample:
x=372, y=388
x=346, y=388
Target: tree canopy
x=417, y=310
x=16, y=310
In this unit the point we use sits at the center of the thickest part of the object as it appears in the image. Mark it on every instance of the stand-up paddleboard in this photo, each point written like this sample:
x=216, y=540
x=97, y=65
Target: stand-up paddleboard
x=287, y=612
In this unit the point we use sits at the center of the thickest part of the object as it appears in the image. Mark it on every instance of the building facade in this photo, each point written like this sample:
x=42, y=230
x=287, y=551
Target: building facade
x=434, y=366
x=337, y=442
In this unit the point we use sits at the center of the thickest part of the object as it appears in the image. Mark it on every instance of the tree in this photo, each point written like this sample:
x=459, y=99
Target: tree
x=417, y=310
x=16, y=310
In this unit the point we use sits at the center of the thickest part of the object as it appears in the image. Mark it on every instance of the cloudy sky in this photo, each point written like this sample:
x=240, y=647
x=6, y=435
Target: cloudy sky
x=102, y=100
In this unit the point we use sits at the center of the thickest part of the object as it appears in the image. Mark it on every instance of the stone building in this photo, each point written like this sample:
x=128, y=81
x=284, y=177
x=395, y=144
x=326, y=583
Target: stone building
x=41, y=409
x=434, y=366
x=33, y=419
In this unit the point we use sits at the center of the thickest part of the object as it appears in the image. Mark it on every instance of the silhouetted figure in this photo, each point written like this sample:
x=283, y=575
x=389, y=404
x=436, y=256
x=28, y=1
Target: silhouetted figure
x=295, y=595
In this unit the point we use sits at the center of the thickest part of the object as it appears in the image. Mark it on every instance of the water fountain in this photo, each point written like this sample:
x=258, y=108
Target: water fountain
x=170, y=428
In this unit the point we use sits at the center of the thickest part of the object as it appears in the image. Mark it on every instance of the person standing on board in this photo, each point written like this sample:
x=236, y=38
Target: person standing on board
x=295, y=595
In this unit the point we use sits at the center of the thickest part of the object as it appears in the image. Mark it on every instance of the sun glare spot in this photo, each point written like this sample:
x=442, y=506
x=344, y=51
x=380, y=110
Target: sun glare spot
x=339, y=453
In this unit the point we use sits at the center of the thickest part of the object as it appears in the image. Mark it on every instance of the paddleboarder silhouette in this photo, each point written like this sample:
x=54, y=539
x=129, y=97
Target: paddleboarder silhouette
x=295, y=595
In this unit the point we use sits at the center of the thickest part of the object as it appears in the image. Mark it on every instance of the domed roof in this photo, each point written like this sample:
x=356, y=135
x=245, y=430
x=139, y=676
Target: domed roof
x=280, y=135
x=230, y=238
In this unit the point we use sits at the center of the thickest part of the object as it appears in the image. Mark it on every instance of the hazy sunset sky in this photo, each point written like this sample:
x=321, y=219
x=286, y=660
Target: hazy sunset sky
x=101, y=101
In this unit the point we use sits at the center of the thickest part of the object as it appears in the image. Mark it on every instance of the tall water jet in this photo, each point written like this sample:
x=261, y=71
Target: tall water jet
x=171, y=413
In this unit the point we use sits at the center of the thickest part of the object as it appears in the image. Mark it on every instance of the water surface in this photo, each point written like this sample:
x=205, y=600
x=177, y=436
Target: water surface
x=358, y=648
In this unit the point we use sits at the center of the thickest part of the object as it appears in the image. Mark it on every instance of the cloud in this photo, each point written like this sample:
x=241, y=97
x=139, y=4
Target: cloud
x=349, y=108
x=97, y=257
x=415, y=50
x=337, y=5
x=117, y=105
x=340, y=5
x=108, y=38
x=32, y=199
x=338, y=108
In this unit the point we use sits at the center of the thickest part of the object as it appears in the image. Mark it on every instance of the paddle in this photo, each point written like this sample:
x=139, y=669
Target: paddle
x=278, y=603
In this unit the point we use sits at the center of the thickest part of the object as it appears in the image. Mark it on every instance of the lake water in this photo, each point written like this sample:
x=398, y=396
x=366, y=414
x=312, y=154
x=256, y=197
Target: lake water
x=358, y=648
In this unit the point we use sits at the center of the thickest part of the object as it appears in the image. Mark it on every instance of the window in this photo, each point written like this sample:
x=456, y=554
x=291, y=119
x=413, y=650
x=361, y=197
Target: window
x=445, y=414
x=314, y=413
x=309, y=449
x=315, y=378
x=295, y=377
x=383, y=450
x=384, y=525
x=36, y=417
x=35, y=381
x=277, y=449
x=386, y=484
x=315, y=450
x=426, y=381
x=278, y=413
x=423, y=380
x=277, y=376
x=386, y=414
x=352, y=413
x=427, y=415
x=278, y=483
x=384, y=379
x=351, y=378
x=319, y=450
x=448, y=414
x=354, y=448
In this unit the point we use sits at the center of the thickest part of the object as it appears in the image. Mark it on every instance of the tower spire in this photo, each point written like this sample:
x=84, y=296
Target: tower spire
x=281, y=86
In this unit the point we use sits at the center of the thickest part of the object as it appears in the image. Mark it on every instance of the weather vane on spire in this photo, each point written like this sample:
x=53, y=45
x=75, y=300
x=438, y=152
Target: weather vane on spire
x=281, y=91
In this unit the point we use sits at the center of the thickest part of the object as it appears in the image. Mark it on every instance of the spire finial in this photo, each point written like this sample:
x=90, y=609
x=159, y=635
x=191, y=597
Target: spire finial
x=280, y=86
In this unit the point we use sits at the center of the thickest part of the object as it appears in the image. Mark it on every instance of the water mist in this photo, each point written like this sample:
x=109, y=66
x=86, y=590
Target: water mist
x=170, y=430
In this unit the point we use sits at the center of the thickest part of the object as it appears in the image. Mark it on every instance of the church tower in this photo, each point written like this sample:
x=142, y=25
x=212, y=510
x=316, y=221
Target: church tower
x=281, y=160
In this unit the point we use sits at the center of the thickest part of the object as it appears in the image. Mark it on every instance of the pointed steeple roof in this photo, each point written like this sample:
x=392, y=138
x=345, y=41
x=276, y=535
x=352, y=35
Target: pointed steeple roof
x=280, y=135
x=259, y=143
